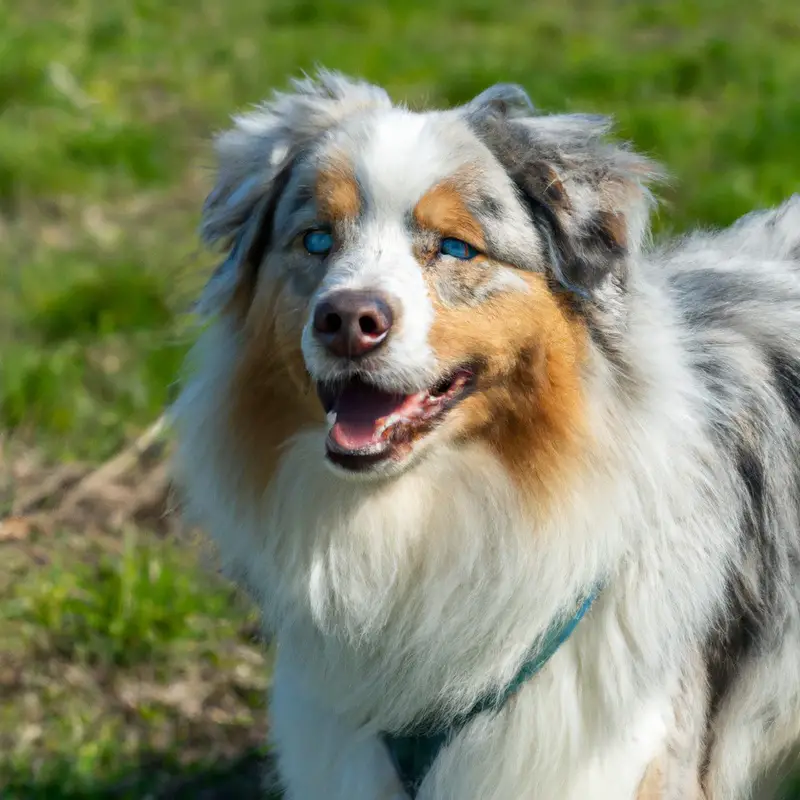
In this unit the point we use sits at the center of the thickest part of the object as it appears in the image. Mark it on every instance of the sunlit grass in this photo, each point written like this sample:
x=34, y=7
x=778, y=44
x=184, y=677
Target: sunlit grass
x=120, y=651
x=106, y=107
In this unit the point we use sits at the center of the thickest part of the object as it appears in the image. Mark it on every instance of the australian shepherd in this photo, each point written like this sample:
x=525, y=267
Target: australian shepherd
x=517, y=491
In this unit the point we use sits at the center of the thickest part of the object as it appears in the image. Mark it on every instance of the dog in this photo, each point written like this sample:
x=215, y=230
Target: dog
x=517, y=490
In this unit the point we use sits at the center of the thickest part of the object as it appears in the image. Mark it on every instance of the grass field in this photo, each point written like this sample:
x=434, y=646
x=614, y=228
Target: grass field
x=126, y=668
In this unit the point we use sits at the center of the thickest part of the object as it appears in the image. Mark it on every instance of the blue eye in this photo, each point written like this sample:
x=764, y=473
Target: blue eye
x=318, y=243
x=457, y=249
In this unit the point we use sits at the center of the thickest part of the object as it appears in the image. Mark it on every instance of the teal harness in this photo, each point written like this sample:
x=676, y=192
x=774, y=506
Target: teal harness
x=414, y=752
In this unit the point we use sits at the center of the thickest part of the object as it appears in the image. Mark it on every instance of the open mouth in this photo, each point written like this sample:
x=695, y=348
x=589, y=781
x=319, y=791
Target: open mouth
x=370, y=426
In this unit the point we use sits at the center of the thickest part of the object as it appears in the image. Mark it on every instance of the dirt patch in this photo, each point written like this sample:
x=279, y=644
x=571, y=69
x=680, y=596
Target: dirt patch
x=133, y=487
x=128, y=669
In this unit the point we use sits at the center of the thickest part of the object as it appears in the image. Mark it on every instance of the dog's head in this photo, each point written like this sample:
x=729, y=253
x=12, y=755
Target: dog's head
x=399, y=282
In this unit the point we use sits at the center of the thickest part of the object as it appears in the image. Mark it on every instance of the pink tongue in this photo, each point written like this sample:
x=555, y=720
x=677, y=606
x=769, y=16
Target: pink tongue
x=359, y=410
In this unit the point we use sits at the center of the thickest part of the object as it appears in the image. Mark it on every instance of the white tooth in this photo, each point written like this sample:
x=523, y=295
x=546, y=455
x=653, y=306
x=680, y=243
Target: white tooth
x=331, y=417
x=388, y=422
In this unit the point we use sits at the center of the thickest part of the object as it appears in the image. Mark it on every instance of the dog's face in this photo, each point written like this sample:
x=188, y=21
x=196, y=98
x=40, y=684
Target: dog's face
x=404, y=282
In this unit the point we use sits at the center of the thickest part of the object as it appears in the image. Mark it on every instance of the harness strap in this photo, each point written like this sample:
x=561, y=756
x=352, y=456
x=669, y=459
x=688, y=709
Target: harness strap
x=413, y=753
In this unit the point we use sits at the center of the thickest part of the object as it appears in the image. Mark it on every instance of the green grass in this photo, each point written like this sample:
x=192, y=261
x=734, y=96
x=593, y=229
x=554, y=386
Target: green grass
x=123, y=666
x=106, y=107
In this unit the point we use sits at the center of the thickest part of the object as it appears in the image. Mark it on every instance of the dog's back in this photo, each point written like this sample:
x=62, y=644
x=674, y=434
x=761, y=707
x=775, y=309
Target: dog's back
x=738, y=292
x=446, y=393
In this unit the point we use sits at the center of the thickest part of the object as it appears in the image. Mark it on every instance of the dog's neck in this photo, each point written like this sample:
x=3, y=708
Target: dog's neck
x=414, y=751
x=409, y=581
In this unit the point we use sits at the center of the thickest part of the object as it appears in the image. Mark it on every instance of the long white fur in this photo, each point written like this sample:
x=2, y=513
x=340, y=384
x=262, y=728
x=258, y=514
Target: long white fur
x=388, y=599
x=355, y=587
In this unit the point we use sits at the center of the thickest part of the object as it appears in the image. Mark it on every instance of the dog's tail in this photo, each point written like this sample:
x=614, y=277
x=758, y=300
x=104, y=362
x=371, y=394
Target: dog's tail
x=786, y=229
x=772, y=234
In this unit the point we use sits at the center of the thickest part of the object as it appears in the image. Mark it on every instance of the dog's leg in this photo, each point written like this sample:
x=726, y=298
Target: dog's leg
x=662, y=783
x=319, y=756
x=758, y=725
x=652, y=785
x=675, y=775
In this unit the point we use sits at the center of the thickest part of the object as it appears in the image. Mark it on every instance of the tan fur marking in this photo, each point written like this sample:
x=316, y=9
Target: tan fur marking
x=614, y=226
x=442, y=209
x=550, y=186
x=337, y=192
x=272, y=398
x=528, y=406
x=652, y=785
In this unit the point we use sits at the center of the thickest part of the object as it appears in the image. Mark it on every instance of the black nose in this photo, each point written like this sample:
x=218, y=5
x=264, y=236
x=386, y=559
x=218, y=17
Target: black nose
x=351, y=323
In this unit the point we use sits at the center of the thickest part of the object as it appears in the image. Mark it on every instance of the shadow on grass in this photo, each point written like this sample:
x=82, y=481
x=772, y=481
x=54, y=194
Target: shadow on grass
x=161, y=778
x=156, y=778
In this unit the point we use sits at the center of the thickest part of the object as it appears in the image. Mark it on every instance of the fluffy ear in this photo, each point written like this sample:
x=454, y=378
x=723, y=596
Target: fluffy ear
x=502, y=99
x=589, y=197
x=254, y=160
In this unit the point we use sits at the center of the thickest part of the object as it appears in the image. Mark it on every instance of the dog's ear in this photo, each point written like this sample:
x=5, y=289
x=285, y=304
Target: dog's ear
x=589, y=197
x=506, y=100
x=254, y=164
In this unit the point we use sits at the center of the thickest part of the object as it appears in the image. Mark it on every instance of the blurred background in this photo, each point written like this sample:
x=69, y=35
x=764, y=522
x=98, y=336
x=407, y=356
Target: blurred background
x=127, y=669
